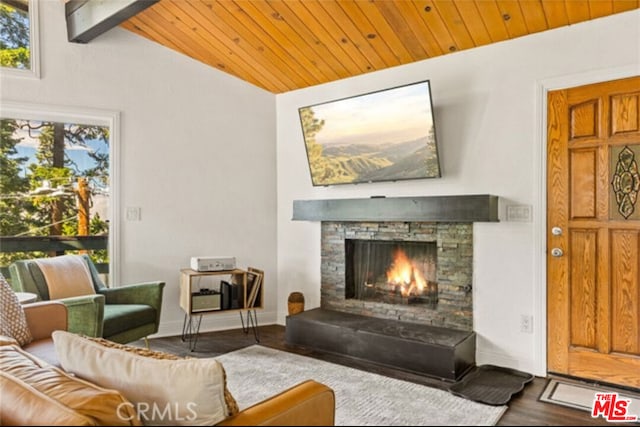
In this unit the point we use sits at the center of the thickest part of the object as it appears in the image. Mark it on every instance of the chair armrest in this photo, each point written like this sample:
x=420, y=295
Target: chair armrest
x=309, y=403
x=45, y=317
x=85, y=314
x=149, y=293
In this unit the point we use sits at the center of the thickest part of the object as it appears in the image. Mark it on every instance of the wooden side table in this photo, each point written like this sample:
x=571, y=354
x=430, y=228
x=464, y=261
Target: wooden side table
x=26, y=297
x=194, y=312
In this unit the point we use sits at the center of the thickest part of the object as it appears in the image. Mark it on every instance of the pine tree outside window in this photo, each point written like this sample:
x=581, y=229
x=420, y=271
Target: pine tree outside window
x=19, y=38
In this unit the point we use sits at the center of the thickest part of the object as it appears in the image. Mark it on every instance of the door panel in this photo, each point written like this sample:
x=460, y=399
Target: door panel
x=583, y=258
x=624, y=110
x=583, y=120
x=583, y=189
x=593, y=195
x=624, y=307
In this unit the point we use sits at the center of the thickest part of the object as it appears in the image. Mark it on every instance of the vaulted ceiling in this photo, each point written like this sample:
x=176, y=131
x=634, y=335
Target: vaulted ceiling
x=283, y=45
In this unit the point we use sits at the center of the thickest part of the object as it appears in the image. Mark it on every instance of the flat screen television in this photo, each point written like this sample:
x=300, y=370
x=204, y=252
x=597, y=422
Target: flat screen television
x=387, y=135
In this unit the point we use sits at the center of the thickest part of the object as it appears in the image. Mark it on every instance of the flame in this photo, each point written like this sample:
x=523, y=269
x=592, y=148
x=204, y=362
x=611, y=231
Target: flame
x=404, y=274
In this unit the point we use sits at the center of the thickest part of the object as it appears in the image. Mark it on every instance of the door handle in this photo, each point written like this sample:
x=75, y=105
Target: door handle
x=557, y=252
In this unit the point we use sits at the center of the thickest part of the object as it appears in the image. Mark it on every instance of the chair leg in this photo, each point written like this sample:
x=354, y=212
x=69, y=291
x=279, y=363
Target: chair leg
x=146, y=342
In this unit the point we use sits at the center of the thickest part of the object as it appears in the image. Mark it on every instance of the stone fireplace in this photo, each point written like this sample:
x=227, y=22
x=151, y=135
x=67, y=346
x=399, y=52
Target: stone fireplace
x=396, y=281
x=433, y=265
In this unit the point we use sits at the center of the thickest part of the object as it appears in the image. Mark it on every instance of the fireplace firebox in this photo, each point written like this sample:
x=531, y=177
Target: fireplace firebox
x=391, y=272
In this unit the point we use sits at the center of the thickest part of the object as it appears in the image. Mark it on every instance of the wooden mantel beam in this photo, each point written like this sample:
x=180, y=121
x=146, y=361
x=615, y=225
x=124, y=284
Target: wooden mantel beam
x=463, y=208
x=87, y=19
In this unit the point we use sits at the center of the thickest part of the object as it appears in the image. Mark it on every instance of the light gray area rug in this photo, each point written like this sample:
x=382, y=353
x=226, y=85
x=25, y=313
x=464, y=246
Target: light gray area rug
x=362, y=398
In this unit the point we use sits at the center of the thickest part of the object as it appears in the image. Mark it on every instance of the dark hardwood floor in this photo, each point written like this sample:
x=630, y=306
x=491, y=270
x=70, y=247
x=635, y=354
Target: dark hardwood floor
x=524, y=408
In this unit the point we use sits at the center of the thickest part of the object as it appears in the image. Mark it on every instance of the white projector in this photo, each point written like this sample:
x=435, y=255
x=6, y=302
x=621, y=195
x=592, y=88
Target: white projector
x=213, y=263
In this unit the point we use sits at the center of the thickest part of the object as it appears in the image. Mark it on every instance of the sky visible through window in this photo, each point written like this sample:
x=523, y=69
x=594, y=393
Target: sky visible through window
x=79, y=154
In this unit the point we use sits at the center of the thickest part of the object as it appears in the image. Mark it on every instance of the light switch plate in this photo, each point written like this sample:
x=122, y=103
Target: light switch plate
x=133, y=214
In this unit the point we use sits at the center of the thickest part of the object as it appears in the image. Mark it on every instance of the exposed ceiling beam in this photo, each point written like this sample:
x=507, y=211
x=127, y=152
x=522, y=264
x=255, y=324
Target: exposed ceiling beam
x=87, y=19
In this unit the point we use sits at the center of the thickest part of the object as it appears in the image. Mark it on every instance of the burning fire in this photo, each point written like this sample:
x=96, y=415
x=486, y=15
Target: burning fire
x=404, y=274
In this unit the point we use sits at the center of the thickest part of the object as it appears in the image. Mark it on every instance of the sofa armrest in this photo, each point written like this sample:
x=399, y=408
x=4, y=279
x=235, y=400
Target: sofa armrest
x=309, y=403
x=45, y=317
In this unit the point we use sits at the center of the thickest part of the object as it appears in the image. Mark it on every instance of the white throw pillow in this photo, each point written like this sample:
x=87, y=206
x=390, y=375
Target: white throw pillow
x=165, y=392
x=13, y=322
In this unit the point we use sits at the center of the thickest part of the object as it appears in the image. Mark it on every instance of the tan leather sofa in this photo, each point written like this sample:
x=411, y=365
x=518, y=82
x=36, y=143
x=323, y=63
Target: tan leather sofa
x=43, y=318
x=36, y=393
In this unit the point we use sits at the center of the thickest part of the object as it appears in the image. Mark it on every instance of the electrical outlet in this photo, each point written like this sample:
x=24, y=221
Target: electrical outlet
x=526, y=323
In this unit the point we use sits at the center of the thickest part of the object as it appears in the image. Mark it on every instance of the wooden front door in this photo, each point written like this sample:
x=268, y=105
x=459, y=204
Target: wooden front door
x=593, y=232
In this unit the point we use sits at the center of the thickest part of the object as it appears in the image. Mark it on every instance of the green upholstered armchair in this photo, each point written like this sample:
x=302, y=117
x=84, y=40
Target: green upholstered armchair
x=122, y=314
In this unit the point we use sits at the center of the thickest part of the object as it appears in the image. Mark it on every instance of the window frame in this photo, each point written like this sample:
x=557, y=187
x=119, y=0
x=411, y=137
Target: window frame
x=86, y=116
x=34, y=47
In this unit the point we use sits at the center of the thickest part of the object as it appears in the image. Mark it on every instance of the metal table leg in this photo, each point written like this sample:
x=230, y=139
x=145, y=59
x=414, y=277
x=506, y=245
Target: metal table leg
x=252, y=323
x=191, y=330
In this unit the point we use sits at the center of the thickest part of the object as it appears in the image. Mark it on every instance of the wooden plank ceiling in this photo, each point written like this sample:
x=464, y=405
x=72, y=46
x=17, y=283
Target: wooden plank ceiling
x=283, y=45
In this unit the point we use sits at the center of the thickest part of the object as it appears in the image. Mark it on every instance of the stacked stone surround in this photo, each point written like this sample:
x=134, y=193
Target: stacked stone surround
x=454, y=272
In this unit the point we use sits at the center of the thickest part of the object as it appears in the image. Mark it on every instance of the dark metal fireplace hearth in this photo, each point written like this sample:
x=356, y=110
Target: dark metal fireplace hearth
x=444, y=353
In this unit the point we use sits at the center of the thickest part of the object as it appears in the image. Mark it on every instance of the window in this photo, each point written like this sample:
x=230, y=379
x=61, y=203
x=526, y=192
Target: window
x=57, y=184
x=18, y=37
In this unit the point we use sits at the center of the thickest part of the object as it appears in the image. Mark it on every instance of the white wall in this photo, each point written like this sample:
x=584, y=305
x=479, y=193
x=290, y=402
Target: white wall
x=197, y=154
x=489, y=107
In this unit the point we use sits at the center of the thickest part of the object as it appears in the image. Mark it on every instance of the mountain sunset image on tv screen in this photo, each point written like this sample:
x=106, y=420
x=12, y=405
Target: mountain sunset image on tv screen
x=388, y=135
